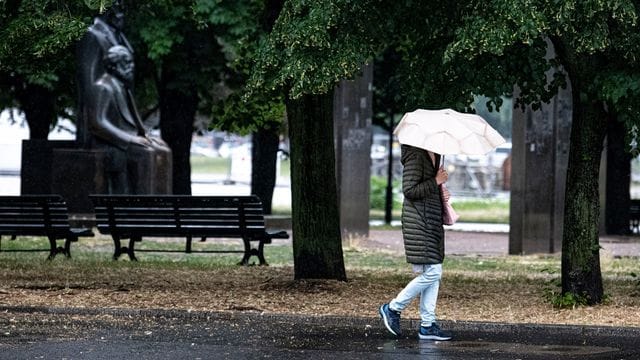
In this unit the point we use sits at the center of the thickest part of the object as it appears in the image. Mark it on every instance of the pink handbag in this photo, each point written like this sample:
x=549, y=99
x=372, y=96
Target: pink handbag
x=449, y=216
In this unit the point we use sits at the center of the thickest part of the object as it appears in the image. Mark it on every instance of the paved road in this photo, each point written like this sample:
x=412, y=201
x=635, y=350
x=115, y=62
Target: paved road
x=41, y=333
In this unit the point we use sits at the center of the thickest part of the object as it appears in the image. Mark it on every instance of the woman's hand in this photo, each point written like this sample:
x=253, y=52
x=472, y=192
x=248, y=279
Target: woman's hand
x=441, y=176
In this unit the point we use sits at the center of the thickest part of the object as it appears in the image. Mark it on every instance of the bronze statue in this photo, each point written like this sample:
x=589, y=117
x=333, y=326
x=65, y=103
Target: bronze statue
x=135, y=162
x=108, y=120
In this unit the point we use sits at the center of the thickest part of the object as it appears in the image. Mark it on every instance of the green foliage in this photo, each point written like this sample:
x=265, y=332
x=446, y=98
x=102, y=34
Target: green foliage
x=38, y=39
x=240, y=115
x=552, y=292
x=172, y=38
x=606, y=31
x=315, y=44
x=160, y=35
x=38, y=49
x=245, y=24
x=377, y=199
x=567, y=301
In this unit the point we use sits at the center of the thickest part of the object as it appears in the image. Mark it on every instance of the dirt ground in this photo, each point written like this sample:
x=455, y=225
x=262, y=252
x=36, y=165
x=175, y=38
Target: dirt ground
x=494, y=296
x=463, y=296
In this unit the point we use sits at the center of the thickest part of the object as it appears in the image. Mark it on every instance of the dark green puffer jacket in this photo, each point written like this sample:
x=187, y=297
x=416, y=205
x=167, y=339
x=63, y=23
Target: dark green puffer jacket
x=422, y=208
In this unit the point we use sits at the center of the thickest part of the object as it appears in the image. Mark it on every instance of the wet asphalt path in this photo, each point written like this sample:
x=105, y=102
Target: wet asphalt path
x=40, y=333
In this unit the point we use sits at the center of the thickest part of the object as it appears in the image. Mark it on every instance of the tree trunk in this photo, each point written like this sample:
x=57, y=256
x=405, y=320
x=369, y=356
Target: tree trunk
x=388, y=204
x=581, y=275
x=317, y=244
x=618, y=198
x=38, y=104
x=264, y=152
x=177, y=112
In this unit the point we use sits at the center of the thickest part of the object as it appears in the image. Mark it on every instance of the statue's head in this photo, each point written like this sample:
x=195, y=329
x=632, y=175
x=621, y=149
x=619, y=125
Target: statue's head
x=115, y=14
x=119, y=63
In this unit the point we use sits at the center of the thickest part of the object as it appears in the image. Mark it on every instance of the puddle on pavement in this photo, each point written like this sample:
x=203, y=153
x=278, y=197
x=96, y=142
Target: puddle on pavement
x=511, y=348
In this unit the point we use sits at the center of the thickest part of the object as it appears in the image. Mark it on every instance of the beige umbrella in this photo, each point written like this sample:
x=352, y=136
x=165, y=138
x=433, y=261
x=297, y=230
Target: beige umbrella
x=448, y=132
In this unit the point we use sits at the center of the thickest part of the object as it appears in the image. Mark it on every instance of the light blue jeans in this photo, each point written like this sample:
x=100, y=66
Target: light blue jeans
x=426, y=285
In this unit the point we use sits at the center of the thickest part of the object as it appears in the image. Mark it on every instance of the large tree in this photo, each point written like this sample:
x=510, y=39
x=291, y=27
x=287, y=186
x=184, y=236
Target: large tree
x=596, y=43
x=312, y=46
x=194, y=48
x=184, y=56
x=261, y=114
x=451, y=51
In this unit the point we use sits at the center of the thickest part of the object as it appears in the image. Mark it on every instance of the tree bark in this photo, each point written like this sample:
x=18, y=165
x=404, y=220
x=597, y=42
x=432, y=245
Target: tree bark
x=618, y=199
x=264, y=152
x=38, y=104
x=317, y=243
x=177, y=112
x=581, y=274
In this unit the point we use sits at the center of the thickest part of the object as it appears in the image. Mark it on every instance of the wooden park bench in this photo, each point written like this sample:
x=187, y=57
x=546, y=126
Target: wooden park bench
x=136, y=216
x=39, y=215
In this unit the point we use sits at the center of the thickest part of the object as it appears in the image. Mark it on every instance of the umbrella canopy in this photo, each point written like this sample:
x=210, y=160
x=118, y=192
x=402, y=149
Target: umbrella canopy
x=448, y=132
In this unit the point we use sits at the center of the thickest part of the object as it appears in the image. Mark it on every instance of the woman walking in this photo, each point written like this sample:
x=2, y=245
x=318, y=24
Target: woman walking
x=423, y=236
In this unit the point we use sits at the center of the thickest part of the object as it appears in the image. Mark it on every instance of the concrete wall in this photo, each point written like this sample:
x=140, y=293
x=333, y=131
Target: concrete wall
x=353, y=132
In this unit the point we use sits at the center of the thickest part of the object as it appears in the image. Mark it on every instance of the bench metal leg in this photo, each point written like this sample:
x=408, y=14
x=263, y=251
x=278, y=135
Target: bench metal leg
x=188, y=246
x=131, y=248
x=117, y=248
x=67, y=245
x=53, y=250
x=249, y=252
x=263, y=262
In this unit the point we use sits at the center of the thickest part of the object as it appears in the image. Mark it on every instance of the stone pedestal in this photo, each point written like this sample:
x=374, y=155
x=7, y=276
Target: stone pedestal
x=540, y=155
x=59, y=167
x=353, y=132
x=36, y=167
x=76, y=173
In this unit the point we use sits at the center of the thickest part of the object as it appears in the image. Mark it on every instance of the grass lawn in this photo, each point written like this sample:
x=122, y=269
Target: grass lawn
x=210, y=165
x=495, y=211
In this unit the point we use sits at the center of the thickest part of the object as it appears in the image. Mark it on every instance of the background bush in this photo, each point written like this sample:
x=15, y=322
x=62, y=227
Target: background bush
x=378, y=193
